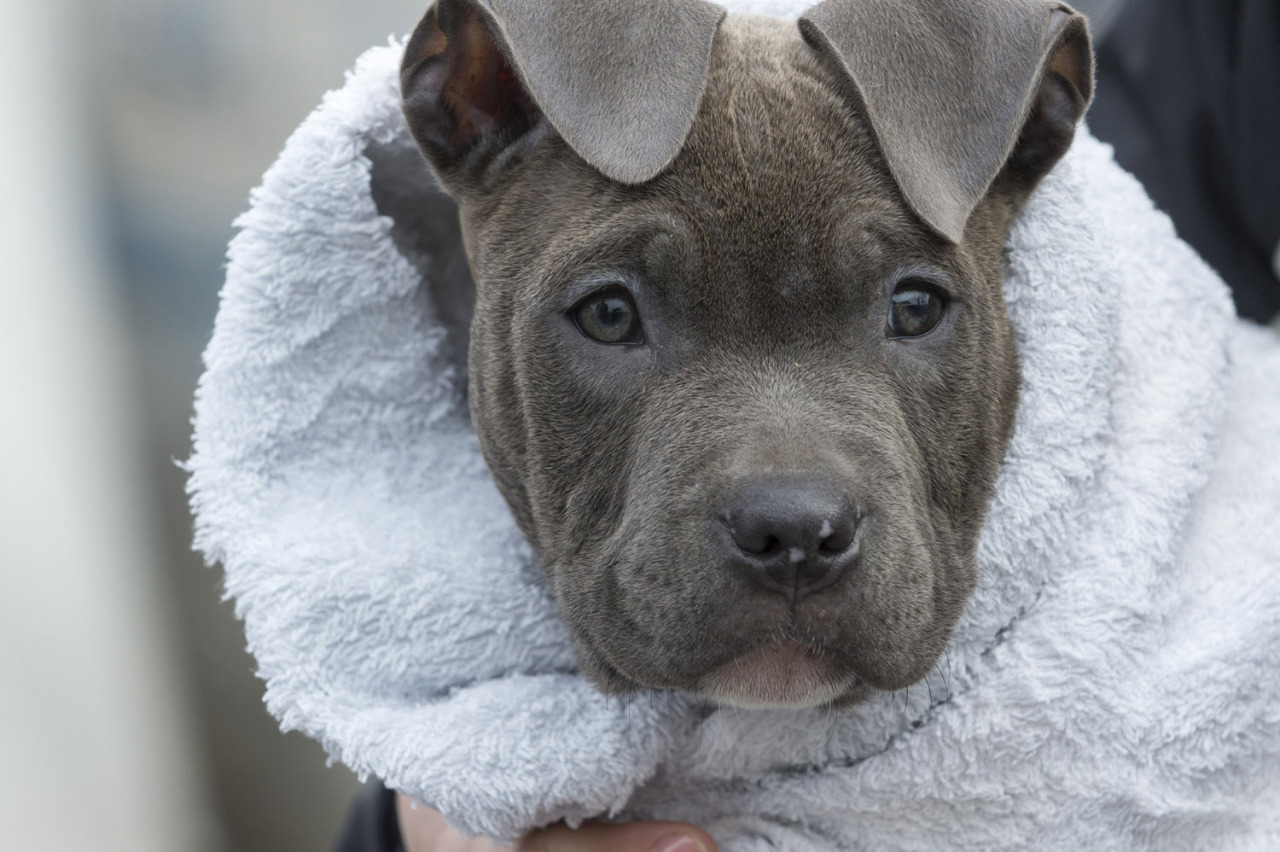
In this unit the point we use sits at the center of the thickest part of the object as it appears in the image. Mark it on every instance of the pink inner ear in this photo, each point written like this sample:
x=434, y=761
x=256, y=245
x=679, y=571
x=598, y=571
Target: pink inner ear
x=480, y=89
x=1073, y=60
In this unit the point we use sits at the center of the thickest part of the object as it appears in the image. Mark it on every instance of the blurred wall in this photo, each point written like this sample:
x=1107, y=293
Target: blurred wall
x=95, y=746
x=1101, y=14
x=192, y=99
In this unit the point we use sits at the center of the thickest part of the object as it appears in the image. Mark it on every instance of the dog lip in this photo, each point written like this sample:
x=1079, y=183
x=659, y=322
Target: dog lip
x=782, y=674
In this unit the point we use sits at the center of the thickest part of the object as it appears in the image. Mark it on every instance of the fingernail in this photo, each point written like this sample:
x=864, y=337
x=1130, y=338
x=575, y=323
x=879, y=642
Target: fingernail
x=678, y=844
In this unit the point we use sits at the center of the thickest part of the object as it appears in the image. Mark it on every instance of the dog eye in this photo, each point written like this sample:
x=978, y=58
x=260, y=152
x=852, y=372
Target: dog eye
x=914, y=309
x=609, y=317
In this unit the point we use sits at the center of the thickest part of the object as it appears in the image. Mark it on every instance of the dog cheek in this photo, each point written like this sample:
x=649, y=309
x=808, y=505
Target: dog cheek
x=579, y=451
x=670, y=597
x=960, y=424
x=891, y=613
x=496, y=399
x=936, y=548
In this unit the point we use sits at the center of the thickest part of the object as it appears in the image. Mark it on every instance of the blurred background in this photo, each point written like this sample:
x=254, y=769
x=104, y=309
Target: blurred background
x=134, y=131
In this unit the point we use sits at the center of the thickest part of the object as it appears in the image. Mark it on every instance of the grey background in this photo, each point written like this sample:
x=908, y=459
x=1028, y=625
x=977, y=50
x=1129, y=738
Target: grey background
x=191, y=101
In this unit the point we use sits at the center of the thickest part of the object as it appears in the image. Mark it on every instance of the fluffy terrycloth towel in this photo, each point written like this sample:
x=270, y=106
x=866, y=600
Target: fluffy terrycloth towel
x=1114, y=684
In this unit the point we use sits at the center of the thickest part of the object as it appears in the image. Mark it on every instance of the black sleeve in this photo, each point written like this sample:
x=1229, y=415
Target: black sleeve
x=1188, y=92
x=371, y=824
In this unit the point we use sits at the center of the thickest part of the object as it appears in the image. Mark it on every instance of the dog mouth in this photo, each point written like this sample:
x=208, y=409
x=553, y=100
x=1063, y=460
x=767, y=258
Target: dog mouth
x=785, y=674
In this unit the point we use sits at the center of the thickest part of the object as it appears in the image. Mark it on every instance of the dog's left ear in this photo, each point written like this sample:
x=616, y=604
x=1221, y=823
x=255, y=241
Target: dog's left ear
x=961, y=94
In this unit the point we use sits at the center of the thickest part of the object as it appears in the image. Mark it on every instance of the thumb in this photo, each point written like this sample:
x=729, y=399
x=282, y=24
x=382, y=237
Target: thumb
x=630, y=837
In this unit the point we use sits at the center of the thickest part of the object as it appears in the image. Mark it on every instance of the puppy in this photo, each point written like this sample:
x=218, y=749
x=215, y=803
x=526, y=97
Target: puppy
x=739, y=361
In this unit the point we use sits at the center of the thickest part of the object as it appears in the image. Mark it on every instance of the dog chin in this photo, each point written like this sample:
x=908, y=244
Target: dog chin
x=784, y=675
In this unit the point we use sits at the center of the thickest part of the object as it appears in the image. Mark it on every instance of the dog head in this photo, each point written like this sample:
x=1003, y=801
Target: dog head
x=739, y=361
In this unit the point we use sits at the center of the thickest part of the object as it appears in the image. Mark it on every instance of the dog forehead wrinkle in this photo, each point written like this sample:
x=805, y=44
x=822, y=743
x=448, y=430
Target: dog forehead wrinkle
x=798, y=280
x=628, y=237
x=765, y=94
x=773, y=152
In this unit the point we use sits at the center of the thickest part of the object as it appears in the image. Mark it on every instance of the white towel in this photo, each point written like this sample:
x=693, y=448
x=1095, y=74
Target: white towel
x=1114, y=683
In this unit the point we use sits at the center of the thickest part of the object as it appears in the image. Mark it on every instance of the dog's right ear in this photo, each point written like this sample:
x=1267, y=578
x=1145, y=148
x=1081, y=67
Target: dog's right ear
x=619, y=80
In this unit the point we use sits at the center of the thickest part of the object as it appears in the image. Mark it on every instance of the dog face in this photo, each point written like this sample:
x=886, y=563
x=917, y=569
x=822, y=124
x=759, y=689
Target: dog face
x=748, y=408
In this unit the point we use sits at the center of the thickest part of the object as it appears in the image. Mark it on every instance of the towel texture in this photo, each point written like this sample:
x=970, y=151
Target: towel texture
x=1113, y=684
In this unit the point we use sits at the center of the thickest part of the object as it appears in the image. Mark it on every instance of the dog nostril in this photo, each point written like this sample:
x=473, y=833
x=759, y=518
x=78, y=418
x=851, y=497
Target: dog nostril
x=751, y=538
x=833, y=539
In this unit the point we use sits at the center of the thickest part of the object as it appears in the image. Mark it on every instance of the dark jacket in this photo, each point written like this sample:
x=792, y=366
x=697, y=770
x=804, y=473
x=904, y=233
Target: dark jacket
x=1188, y=92
x=371, y=824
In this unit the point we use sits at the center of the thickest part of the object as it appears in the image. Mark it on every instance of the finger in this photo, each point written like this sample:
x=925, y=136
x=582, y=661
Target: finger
x=424, y=830
x=632, y=837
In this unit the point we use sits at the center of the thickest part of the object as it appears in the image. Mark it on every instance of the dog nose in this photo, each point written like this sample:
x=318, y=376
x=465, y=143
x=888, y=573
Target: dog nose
x=793, y=536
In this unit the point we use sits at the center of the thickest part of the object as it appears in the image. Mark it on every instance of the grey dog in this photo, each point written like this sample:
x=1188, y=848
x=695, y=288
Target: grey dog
x=739, y=360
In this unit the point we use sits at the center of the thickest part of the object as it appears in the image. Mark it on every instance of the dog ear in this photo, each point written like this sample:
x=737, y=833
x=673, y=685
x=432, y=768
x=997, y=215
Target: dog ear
x=619, y=80
x=959, y=93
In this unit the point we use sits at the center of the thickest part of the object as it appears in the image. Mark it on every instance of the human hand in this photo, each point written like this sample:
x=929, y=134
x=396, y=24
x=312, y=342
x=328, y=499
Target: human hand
x=424, y=830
